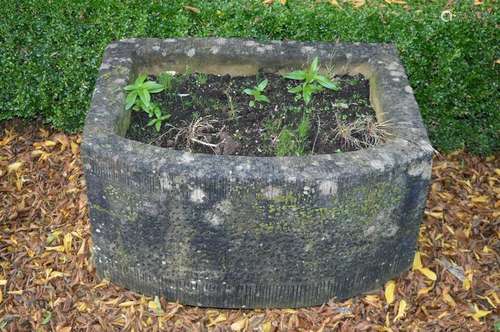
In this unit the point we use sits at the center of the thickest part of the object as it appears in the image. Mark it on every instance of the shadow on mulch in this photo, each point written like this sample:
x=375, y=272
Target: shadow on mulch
x=47, y=282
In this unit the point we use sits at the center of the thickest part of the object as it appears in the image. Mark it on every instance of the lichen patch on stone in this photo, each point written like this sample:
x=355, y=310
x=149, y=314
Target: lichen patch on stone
x=197, y=195
x=422, y=169
x=191, y=52
x=271, y=192
x=328, y=187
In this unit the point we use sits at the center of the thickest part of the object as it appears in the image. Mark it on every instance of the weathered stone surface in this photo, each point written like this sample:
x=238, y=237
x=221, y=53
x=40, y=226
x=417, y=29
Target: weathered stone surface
x=235, y=231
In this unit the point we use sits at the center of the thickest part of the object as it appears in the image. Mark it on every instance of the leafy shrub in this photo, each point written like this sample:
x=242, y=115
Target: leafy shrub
x=50, y=52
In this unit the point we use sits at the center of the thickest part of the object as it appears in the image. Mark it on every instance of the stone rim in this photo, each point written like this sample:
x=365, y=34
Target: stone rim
x=410, y=139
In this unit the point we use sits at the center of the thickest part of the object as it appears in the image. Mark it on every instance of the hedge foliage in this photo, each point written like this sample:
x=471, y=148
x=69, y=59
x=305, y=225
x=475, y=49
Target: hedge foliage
x=50, y=51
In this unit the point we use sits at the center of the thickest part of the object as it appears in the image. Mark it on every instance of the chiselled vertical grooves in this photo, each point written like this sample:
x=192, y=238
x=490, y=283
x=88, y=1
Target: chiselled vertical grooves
x=235, y=231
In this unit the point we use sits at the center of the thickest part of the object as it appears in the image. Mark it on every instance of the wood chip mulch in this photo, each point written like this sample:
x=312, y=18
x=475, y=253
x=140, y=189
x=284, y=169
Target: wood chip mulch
x=47, y=281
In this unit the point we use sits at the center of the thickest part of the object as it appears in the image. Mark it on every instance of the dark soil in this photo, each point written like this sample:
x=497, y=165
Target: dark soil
x=211, y=114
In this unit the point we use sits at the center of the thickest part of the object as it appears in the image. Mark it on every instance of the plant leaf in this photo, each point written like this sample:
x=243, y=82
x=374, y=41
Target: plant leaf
x=156, y=111
x=158, y=125
x=262, y=98
x=153, y=87
x=296, y=75
x=140, y=79
x=130, y=87
x=307, y=92
x=250, y=92
x=145, y=97
x=295, y=89
x=151, y=122
x=130, y=100
x=262, y=85
x=314, y=65
x=326, y=82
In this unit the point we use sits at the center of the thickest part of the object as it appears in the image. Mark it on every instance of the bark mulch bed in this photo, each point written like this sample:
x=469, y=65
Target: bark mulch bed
x=47, y=282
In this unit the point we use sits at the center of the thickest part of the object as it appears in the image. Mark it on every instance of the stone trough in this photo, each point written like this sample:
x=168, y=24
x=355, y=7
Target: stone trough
x=236, y=231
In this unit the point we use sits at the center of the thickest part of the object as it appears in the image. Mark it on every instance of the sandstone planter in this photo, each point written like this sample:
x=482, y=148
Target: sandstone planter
x=235, y=231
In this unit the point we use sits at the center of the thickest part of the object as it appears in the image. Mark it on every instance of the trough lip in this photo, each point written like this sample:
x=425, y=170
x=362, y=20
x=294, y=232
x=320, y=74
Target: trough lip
x=410, y=141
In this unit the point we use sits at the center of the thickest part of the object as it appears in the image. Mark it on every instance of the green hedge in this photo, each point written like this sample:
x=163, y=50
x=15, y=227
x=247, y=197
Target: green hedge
x=50, y=52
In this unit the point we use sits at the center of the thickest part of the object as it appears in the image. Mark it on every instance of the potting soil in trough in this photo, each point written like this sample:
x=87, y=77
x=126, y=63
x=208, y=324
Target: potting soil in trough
x=211, y=114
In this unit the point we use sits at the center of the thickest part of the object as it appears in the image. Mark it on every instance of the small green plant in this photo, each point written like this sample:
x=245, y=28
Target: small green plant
x=294, y=142
x=139, y=93
x=139, y=98
x=157, y=117
x=195, y=115
x=201, y=78
x=257, y=93
x=166, y=79
x=313, y=82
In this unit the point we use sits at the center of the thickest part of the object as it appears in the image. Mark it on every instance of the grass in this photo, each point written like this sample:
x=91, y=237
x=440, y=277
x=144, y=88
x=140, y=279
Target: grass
x=50, y=52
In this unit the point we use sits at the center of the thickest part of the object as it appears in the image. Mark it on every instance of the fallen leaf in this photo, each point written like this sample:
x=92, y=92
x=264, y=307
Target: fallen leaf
x=49, y=143
x=448, y=299
x=437, y=215
x=267, y=327
x=454, y=269
x=219, y=319
x=56, y=248
x=192, y=9
x=478, y=313
x=358, y=3
x=417, y=262
x=270, y=2
x=14, y=167
x=424, y=291
x=129, y=304
x=467, y=283
x=67, y=241
x=155, y=306
x=401, y=310
x=428, y=273
x=390, y=287
x=480, y=199
x=239, y=325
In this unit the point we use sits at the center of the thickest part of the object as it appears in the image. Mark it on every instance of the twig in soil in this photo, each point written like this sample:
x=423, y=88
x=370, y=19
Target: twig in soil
x=198, y=131
x=204, y=143
x=165, y=133
x=232, y=110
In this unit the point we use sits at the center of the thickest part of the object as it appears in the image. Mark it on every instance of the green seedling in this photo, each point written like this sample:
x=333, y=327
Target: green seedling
x=139, y=93
x=312, y=82
x=157, y=117
x=201, y=78
x=257, y=93
x=294, y=142
x=166, y=80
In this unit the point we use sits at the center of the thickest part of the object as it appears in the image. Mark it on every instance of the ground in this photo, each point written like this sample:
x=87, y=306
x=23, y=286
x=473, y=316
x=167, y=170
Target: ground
x=47, y=282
